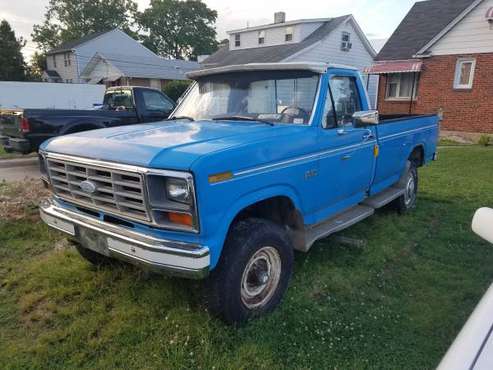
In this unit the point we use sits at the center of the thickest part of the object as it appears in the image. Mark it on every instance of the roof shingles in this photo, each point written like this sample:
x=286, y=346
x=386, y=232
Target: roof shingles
x=424, y=21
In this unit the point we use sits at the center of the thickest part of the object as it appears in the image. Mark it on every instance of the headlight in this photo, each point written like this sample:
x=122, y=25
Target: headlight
x=172, y=200
x=178, y=190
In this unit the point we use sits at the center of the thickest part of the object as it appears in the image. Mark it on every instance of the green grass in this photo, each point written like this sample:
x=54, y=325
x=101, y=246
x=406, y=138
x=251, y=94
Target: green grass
x=397, y=303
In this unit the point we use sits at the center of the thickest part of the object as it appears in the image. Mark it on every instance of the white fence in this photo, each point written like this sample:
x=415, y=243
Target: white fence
x=44, y=95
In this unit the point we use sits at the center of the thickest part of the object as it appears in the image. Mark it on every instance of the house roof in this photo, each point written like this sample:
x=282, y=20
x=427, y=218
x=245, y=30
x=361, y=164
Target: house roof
x=143, y=67
x=68, y=46
x=424, y=21
x=281, y=24
x=271, y=54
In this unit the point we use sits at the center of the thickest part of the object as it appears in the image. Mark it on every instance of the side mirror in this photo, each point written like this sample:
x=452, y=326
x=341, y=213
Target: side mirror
x=482, y=224
x=366, y=118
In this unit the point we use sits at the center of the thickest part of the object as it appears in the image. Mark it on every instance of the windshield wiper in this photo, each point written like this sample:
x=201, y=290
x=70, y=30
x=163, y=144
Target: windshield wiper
x=241, y=118
x=179, y=117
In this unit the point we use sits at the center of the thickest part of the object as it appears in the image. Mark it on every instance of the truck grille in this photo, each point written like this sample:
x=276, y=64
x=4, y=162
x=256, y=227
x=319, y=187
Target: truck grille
x=118, y=192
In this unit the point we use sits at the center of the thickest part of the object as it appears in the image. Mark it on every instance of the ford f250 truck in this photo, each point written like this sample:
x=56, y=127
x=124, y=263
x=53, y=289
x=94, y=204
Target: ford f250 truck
x=24, y=130
x=260, y=160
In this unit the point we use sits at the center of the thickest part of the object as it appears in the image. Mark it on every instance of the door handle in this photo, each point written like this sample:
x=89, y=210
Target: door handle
x=368, y=137
x=346, y=157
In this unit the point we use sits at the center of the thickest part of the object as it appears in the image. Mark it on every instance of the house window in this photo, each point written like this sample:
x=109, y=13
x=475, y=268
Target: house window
x=464, y=73
x=54, y=61
x=237, y=40
x=402, y=85
x=66, y=59
x=261, y=37
x=289, y=34
x=346, y=44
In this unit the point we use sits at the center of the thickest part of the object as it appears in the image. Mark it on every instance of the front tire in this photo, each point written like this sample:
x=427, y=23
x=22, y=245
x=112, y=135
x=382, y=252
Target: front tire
x=253, y=273
x=409, y=182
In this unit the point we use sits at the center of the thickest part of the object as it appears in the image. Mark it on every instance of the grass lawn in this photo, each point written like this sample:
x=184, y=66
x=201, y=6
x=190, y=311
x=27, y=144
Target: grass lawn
x=397, y=303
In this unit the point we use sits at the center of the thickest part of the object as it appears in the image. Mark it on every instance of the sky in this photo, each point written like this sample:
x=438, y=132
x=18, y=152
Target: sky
x=377, y=18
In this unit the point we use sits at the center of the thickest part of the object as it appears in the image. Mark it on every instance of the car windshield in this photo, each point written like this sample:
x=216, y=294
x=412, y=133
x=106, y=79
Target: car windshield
x=272, y=96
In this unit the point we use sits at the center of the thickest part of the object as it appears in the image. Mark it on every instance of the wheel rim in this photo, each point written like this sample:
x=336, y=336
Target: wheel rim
x=410, y=193
x=261, y=277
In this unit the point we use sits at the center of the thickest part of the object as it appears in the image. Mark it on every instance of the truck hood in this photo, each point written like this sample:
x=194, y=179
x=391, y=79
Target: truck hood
x=166, y=144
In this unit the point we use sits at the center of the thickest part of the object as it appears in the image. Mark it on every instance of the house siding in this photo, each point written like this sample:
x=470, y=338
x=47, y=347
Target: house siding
x=68, y=72
x=463, y=110
x=471, y=35
x=273, y=36
x=329, y=51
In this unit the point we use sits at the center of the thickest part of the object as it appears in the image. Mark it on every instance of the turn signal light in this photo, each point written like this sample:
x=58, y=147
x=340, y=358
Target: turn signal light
x=180, y=218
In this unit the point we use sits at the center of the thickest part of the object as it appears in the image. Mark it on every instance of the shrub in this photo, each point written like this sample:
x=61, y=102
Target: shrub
x=175, y=89
x=484, y=140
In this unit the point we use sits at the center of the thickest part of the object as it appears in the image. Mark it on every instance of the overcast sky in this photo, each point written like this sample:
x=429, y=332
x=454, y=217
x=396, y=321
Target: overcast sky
x=377, y=18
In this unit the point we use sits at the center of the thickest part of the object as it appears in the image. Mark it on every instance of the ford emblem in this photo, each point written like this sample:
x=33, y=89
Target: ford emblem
x=88, y=186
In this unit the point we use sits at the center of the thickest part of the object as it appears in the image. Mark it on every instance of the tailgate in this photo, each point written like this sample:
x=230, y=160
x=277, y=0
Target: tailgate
x=10, y=123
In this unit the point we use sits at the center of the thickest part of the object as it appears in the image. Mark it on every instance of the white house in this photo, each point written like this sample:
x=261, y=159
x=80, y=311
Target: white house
x=66, y=62
x=329, y=40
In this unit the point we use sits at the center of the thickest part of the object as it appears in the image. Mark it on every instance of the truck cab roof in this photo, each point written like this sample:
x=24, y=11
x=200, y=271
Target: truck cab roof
x=286, y=66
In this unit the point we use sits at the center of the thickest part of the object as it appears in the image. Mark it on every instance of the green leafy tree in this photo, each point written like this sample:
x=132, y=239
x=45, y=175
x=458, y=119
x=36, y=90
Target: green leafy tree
x=175, y=89
x=179, y=29
x=36, y=66
x=12, y=65
x=68, y=20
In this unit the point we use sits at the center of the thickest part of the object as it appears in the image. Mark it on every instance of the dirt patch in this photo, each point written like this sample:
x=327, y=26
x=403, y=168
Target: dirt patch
x=20, y=200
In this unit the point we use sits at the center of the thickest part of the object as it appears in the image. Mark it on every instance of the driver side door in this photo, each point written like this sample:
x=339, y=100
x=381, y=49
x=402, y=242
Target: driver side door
x=346, y=152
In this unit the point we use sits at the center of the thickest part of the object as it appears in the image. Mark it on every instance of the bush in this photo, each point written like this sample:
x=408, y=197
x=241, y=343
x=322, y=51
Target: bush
x=484, y=140
x=175, y=89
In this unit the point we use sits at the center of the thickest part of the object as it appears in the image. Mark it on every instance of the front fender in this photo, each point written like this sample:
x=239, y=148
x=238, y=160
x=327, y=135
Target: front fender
x=222, y=227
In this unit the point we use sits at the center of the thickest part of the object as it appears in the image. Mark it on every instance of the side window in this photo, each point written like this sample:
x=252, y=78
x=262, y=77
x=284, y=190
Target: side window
x=346, y=101
x=154, y=101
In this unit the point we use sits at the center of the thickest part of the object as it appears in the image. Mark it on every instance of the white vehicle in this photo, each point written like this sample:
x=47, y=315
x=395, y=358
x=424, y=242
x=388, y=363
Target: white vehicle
x=473, y=347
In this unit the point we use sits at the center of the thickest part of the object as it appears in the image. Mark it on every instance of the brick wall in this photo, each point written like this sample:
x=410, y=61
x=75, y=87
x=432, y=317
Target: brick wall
x=463, y=110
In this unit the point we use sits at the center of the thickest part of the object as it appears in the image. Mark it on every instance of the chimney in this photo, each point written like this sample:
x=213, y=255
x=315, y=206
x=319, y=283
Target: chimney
x=279, y=17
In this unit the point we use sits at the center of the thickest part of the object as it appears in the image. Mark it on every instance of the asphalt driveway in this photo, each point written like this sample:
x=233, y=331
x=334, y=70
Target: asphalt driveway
x=19, y=169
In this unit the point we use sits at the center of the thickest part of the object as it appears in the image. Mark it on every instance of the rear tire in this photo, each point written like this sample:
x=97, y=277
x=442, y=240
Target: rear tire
x=94, y=258
x=253, y=273
x=409, y=182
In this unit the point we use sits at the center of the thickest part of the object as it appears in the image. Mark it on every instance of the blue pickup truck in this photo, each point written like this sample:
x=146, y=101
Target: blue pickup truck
x=257, y=161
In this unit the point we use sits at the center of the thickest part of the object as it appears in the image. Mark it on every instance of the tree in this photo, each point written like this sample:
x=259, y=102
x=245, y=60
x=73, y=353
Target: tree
x=68, y=20
x=175, y=89
x=179, y=29
x=12, y=65
x=36, y=66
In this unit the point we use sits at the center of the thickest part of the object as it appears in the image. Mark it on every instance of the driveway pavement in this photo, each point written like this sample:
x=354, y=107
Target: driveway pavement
x=19, y=169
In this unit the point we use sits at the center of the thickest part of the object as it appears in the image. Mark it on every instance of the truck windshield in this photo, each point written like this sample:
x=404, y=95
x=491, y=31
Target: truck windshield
x=118, y=100
x=273, y=96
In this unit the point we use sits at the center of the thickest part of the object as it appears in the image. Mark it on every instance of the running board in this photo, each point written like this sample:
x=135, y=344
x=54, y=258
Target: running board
x=335, y=224
x=383, y=198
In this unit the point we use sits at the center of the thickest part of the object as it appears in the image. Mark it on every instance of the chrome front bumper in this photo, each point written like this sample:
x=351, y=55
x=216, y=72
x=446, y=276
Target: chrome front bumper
x=173, y=257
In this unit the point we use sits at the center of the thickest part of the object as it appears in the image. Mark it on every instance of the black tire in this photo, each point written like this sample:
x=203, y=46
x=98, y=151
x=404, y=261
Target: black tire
x=251, y=246
x=409, y=181
x=94, y=258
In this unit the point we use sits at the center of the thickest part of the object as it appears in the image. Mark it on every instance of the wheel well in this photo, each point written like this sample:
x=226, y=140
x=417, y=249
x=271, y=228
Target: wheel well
x=280, y=210
x=418, y=156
